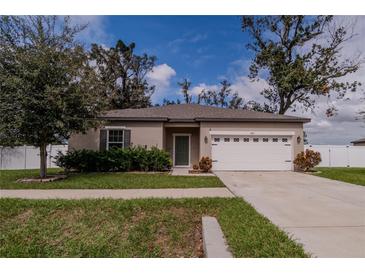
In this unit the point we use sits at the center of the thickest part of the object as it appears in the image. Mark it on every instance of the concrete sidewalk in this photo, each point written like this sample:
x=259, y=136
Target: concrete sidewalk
x=115, y=193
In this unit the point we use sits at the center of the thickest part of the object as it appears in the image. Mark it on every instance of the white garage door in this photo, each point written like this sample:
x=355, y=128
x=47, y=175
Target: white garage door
x=230, y=152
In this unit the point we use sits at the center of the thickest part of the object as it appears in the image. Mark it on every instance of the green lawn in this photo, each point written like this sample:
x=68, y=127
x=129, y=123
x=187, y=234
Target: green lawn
x=107, y=180
x=346, y=174
x=134, y=228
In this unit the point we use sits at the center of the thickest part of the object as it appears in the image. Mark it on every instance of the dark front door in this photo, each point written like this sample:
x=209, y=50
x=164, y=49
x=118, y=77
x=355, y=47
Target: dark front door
x=182, y=150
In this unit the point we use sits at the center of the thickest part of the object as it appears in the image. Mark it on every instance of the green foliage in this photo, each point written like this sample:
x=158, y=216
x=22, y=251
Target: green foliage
x=301, y=59
x=48, y=88
x=44, y=74
x=129, y=159
x=307, y=160
x=223, y=97
x=123, y=74
x=205, y=164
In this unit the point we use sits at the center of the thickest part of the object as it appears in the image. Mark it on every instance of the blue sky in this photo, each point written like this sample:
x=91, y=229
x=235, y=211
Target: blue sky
x=207, y=49
x=197, y=47
x=204, y=49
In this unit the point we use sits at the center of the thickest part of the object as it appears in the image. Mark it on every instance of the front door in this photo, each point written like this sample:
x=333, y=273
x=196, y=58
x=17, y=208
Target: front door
x=182, y=150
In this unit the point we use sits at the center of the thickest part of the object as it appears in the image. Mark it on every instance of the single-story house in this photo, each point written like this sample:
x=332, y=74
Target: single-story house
x=360, y=142
x=235, y=139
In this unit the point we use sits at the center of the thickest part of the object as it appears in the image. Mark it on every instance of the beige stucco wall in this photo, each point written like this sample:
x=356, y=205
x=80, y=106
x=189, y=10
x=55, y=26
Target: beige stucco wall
x=205, y=127
x=89, y=140
x=142, y=133
x=156, y=134
x=194, y=149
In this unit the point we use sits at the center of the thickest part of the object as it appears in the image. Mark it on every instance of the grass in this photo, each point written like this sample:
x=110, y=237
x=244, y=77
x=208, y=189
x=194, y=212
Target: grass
x=134, y=228
x=115, y=180
x=350, y=175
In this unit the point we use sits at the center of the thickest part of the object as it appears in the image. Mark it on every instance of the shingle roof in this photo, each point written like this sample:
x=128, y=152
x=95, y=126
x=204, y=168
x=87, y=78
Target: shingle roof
x=195, y=113
x=362, y=140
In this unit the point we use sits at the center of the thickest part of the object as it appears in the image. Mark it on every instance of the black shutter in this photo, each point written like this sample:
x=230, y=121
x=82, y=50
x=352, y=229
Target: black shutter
x=103, y=136
x=127, y=138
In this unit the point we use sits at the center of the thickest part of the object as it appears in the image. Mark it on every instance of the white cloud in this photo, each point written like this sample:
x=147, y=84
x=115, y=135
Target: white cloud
x=339, y=129
x=345, y=126
x=198, y=88
x=160, y=76
x=95, y=31
x=248, y=89
x=187, y=38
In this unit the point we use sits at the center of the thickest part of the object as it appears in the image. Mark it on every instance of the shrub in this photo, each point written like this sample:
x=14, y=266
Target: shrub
x=129, y=159
x=195, y=167
x=307, y=160
x=205, y=164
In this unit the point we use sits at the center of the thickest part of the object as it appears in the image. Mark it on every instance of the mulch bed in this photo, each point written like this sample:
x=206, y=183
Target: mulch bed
x=50, y=178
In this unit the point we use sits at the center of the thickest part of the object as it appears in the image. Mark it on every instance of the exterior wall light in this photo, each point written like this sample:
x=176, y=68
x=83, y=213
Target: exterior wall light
x=206, y=139
x=299, y=139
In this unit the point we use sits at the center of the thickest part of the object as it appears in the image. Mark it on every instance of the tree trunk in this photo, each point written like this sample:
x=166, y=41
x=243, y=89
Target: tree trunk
x=43, y=158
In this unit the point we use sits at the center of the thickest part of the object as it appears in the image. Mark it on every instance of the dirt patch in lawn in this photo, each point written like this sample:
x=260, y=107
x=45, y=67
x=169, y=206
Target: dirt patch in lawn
x=177, y=231
x=24, y=216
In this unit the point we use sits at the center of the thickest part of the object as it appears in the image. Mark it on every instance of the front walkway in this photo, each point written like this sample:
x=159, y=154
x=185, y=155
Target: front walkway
x=115, y=193
x=326, y=216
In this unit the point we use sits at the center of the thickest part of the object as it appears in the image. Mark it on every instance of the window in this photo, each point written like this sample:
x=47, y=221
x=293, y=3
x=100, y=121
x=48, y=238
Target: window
x=284, y=140
x=217, y=140
x=246, y=140
x=236, y=140
x=275, y=140
x=227, y=139
x=265, y=140
x=255, y=140
x=115, y=139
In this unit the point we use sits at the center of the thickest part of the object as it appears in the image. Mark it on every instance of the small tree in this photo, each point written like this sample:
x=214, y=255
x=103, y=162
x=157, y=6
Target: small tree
x=307, y=160
x=223, y=97
x=48, y=90
x=185, y=90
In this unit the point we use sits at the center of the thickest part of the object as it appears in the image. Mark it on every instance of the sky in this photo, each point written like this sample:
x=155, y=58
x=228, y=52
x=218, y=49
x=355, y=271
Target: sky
x=208, y=49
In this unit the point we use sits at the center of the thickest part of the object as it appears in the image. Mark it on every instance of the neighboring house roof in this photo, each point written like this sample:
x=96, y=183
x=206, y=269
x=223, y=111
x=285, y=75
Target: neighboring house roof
x=362, y=140
x=196, y=113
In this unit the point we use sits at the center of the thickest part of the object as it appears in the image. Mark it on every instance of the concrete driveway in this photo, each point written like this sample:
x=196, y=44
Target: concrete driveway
x=326, y=216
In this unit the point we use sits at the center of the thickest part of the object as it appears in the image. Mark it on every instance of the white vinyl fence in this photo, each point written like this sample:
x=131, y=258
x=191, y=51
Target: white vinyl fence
x=27, y=157
x=340, y=156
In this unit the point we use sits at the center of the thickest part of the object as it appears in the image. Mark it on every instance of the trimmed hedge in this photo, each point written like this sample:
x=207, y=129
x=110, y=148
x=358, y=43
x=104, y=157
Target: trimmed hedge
x=128, y=159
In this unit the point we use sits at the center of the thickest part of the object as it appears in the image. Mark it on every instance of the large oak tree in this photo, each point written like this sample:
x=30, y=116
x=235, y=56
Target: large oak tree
x=300, y=58
x=47, y=88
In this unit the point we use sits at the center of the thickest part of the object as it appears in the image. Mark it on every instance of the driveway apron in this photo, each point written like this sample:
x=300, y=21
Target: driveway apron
x=326, y=216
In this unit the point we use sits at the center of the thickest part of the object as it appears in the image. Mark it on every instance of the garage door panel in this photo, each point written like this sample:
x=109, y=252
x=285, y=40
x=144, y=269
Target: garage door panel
x=251, y=155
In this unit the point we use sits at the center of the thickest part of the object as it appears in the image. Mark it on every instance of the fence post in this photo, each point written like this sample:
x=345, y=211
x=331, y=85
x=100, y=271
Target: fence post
x=1, y=157
x=329, y=156
x=25, y=156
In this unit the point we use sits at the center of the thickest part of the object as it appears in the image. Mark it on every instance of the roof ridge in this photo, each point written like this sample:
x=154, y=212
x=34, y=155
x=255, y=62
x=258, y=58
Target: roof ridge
x=196, y=112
